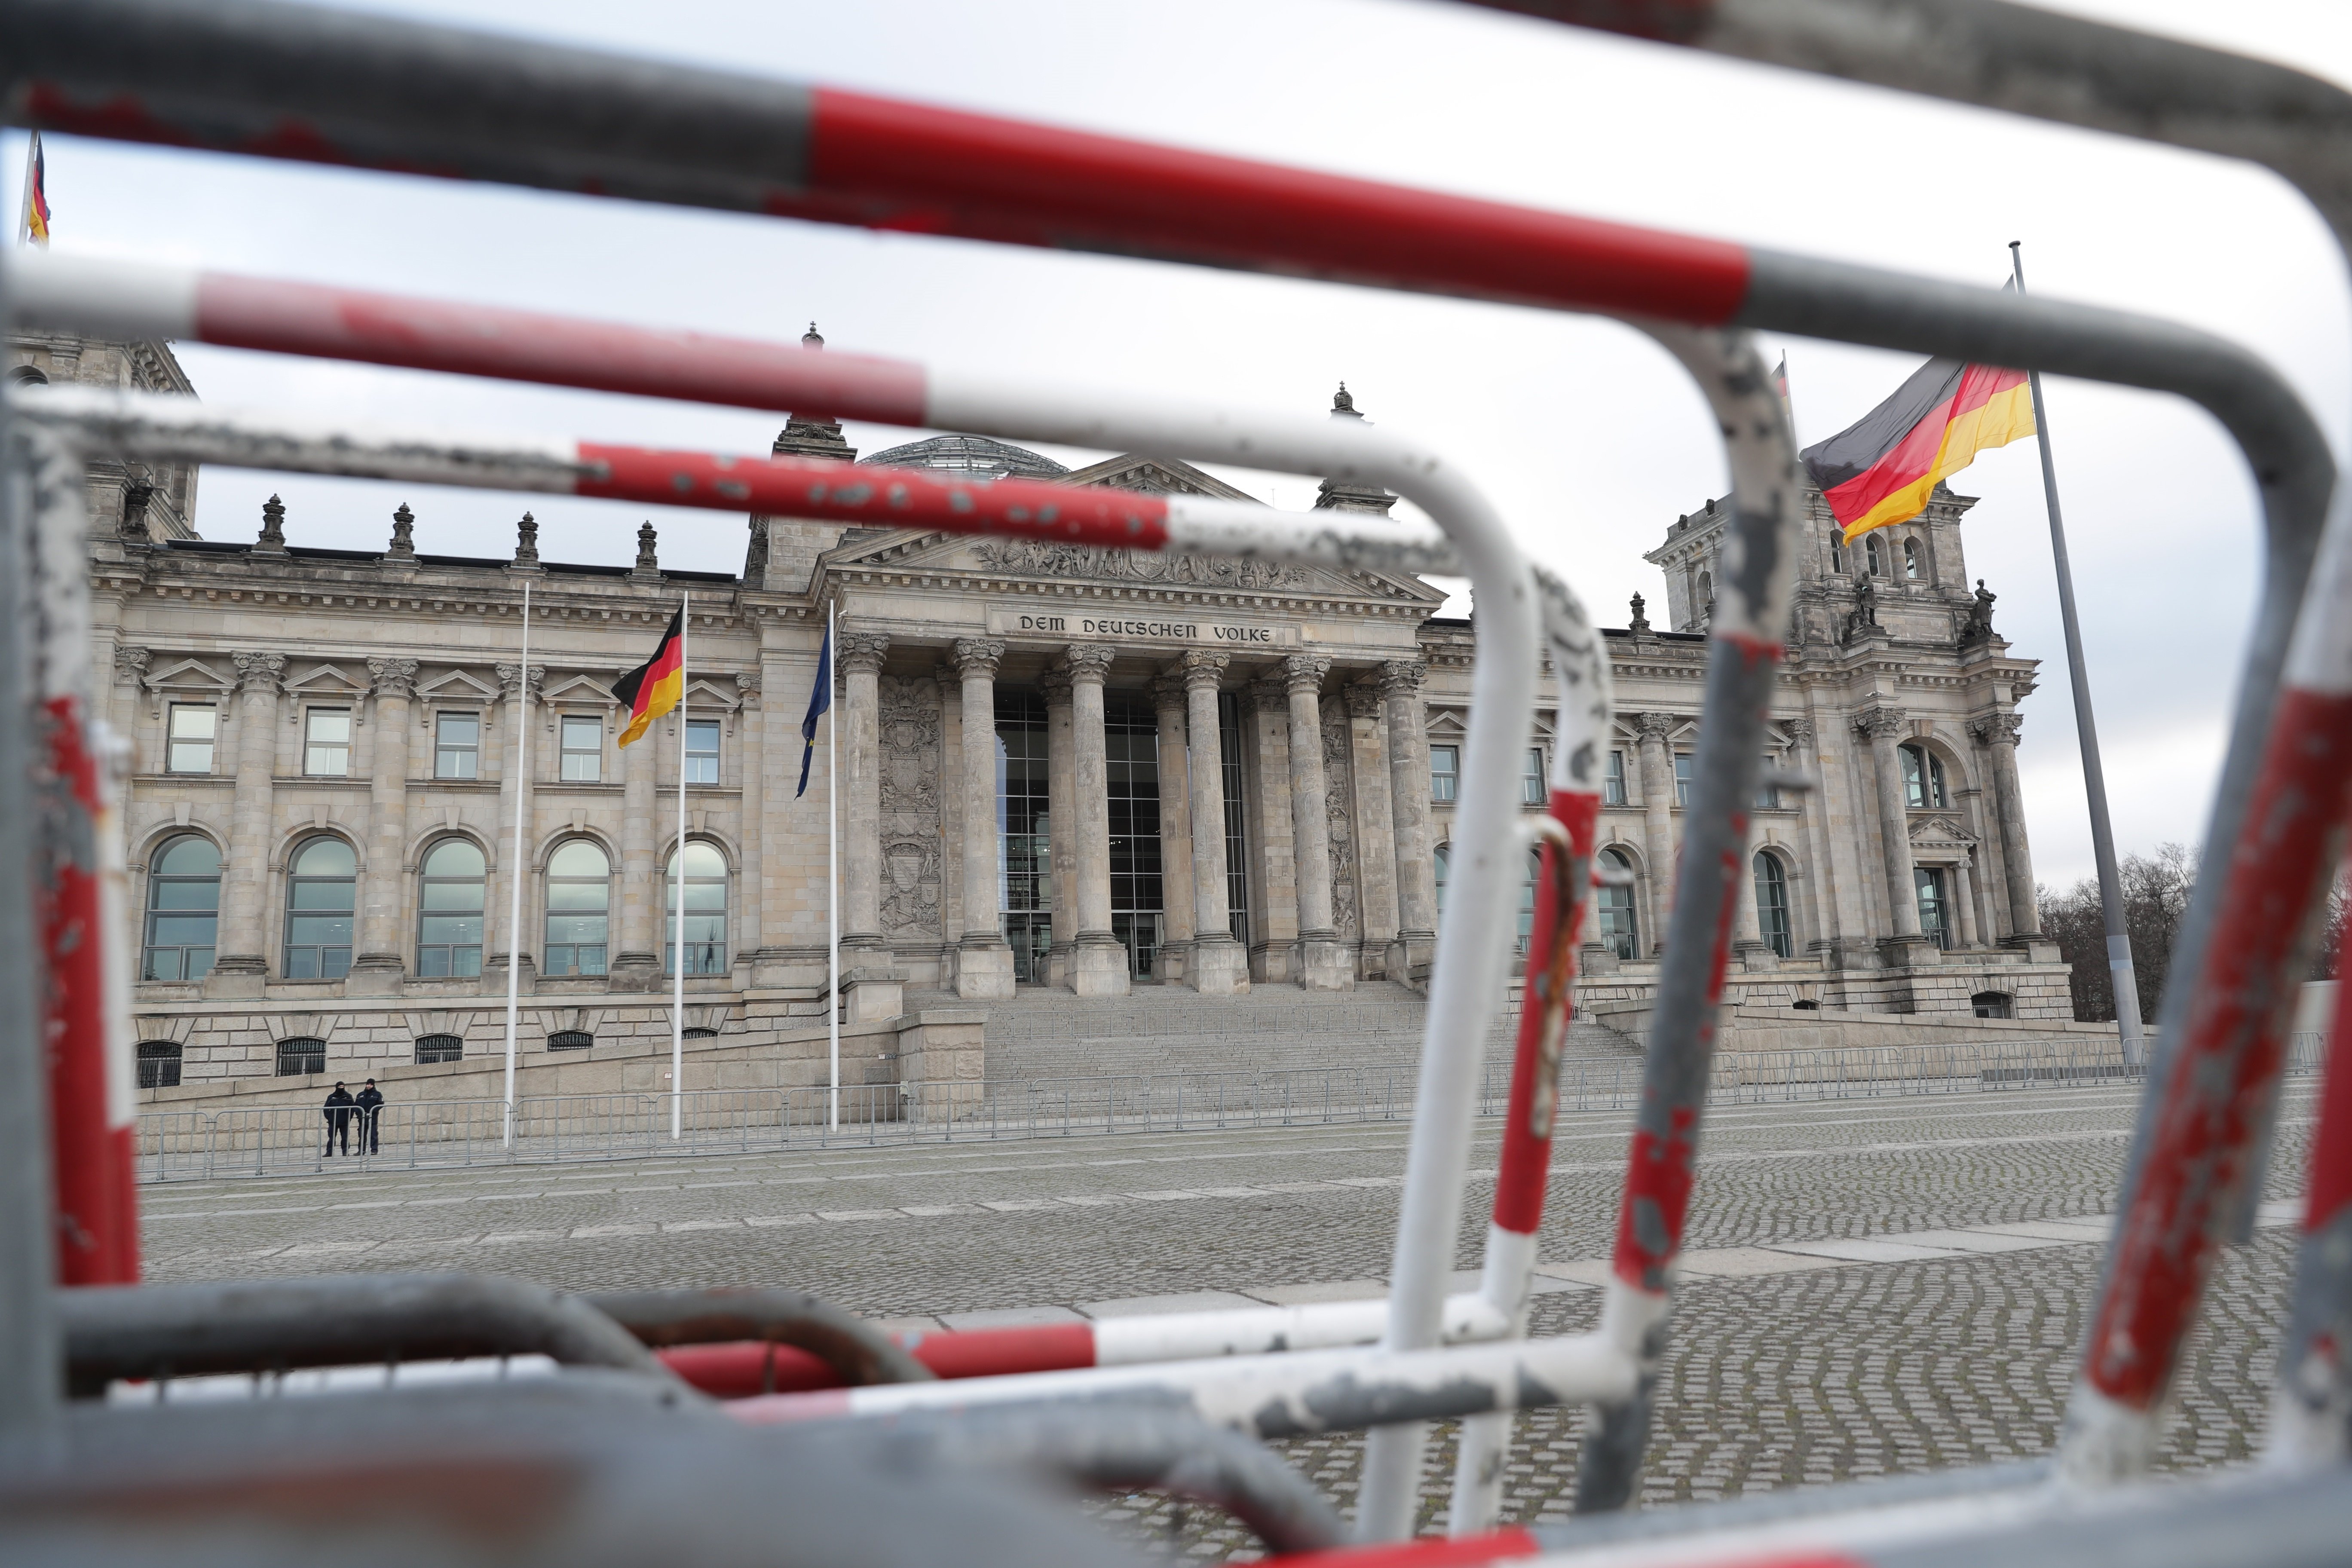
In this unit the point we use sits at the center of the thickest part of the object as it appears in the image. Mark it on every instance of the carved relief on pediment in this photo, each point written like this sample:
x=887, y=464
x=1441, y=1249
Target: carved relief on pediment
x=1045, y=558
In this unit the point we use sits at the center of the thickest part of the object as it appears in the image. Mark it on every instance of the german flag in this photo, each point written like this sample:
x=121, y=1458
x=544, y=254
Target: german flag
x=654, y=687
x=36, y=196
x=1883, y=470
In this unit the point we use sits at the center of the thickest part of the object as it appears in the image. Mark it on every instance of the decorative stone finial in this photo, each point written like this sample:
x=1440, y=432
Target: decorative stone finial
x=525, y=555
x=811, y=338
x=1640, y=624
x=135, y=497
x=1343, y=404
x=648, y=562
x=403, y=532
x=273, y=526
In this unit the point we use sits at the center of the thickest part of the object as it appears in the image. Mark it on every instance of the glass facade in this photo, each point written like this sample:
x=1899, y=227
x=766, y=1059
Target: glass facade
x=1131, y=772
x=1025, y=827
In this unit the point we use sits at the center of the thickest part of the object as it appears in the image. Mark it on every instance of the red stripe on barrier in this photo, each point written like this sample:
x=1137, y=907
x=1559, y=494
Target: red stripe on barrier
x=519, y=345
x=2199, y=1143
x=2331, y=1146
x=889, y=497
x=886, y=163
x=1544, y=1011
x=746, y=1369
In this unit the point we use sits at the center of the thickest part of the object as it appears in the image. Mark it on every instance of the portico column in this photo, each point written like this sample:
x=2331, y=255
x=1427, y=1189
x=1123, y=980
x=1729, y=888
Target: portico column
x=1376, y=859
x=635, y=963
x=376, y=966
x=1747, y=926
x=1964, y=902
x=1098, y=962
x=1175, y=830
x=244, y=946
x=860, y=656
x=1323, y=964
x=1409, y=791
x=1657, y=817
x=1882, y=725
x=983, y=961
x=1061, y=825
x=1219, y=963
x=1997, y=733
x=517, y=697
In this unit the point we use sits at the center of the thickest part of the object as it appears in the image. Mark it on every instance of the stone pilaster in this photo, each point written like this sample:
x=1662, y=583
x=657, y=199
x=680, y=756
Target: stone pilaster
x=635, y=959
x=1964, y=904
x=1885, y=727
x=1324, y=964
x=1099, y=962
x=1997, y=733
x=376, y=966
x=1274, y=924
x=869, y=978
x=517, y=698
x=1409, y=789
x=1375, y=824
x=751, y=756
x=983, y=962
x=1175, y=830
x=243, y=963
x=1062, y=822
x=1219, y=963
x=1657, y=769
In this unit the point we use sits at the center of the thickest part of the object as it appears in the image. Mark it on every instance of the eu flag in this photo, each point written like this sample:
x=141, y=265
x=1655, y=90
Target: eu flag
x=820, y=698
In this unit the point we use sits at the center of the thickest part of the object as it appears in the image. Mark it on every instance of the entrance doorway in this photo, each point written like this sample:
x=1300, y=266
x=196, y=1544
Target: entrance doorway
x=1132, y=759
x=1025, y=833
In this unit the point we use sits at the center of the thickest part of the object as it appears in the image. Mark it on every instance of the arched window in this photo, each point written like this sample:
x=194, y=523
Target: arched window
x=579, y=901
x=699, y=1034
x=1772, y=905
x=1911, y=560
x=449, y=913
x=1705, y=593
x=1993, y=1004
x=1614, y=904
x=1923, y=779
x=27, y=375
x=302, y=1054
x=1837, y=548
x=182, y=910
x=1441, y=861
x=1873, y=556
x=158, y=1064
x=431, y=1049
x=705, y=911
x=570, y=1040
x=321, y=895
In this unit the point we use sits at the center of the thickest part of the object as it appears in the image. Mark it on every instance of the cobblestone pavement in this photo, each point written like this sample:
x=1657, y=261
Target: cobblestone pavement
x=1885, y=1360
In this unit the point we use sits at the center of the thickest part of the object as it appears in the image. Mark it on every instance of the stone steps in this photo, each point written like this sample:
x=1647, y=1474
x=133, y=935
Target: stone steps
x=1157, y=1030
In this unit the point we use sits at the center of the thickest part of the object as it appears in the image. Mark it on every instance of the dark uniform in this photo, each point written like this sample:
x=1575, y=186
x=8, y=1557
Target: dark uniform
x=371, y=1109
x=337, y=1112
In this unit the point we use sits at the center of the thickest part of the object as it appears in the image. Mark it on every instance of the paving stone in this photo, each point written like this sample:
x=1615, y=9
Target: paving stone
x=1749, y=1262
x=1011, y=1317
x=1331, y=1291
x=1973, y=1240
x=1863, y=1251
x=1150, y=1306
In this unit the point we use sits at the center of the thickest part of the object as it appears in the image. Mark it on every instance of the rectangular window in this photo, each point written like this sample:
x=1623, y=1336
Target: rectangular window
x=1682, y=778
x=1531, y=778
x=702, y=750
x=1935, y=904
x=583, y=748
x=327, y=743
x=1025, y=825
x=457, y=746
x=1767, y=794
x=1612, y=782
x=1229, y=762
x=1131, y=768
x=194, y=728
x=1444, y=773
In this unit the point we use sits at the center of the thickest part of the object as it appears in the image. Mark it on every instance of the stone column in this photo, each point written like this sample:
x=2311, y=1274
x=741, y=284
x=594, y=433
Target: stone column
x=376, y=966
x=1883, y=726
x=1274, y=924
x=1376, y=860
x=1175, y=830
x=1747, y=926
x=751, y=751
x=1220, y=965
x=983, y=962
x=1409, y=806
x=243, y=961
x=1997, y=733
x=1098, y=962
x=518, y=697
x=1062, y=825
x=635, y=959
x=1324, y=964
x=1657, y=769
x=869, y=982
x=1964, y=904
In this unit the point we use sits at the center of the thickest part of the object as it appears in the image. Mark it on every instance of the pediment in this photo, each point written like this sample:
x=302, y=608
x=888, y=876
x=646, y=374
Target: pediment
x=575, y=687
x=1939, y=828
x=702, y=693
x=912, y=551
x=456, y=685
x=187, y=675
x=1155, y=476
x=325, y=680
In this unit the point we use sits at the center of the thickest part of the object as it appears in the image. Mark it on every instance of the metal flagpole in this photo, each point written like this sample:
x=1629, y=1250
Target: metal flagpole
x=2094, y=778
x=833, y=891
x=677, y=922
x=519, y=858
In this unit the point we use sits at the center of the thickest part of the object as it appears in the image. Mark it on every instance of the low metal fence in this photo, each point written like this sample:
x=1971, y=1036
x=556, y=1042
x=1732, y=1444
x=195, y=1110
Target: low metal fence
x=188, y=1146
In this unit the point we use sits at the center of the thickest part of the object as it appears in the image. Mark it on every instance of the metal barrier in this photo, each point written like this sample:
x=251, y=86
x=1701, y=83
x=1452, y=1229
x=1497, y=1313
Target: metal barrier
x=194, y=1145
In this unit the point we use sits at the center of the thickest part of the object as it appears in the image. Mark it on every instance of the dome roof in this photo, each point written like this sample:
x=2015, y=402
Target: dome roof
x=976, y=456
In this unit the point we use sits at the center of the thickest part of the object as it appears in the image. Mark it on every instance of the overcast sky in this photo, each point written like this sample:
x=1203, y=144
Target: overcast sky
x=1588, y=438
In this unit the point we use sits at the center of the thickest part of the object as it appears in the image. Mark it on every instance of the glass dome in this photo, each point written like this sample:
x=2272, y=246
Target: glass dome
x=976, y=456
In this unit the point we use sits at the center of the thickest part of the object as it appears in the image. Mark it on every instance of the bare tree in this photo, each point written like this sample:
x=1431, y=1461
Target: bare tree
x=2156, y=890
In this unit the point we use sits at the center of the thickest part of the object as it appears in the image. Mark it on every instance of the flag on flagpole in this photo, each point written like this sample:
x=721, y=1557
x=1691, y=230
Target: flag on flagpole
x=820, y=698
x=1882, y=470
x=654, y=687
x=1780, y=381
x=36, y=196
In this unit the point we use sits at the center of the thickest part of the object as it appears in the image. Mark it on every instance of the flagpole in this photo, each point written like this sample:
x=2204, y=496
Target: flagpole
x=25, y=210
x=2095, y=779
x=519, y=858
x=832, y=896
x=677, y=922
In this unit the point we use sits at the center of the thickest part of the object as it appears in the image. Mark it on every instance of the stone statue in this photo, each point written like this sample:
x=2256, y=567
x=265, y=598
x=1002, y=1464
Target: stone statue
x=1975, y=623
x=1862, y=619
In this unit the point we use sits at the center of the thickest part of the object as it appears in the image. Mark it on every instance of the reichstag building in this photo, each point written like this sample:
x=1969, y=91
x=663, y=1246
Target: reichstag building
x=1062, y=767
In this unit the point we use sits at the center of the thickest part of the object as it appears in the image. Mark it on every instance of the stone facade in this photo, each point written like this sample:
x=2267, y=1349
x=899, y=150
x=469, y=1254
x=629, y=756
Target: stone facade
x=1057, y=766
